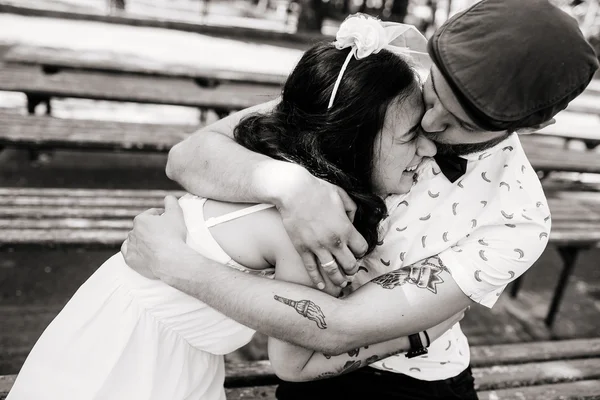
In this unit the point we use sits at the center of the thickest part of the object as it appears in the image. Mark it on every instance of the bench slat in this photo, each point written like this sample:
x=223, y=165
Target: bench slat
x=70, y=212
x=580, y=390
x=547, y=158
x=101, y=238
x=98, y=59
x=133, y=88
x=500, y=354
x=35, y=131
x=62, y=192
x=39, y=201
x=41, y=131
x=251, y=393
x=45, y=214
x=66, y=223
x=505, y=376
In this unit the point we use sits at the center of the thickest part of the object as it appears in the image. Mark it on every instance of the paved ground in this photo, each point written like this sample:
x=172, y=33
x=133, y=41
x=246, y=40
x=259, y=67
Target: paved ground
x=34, y=285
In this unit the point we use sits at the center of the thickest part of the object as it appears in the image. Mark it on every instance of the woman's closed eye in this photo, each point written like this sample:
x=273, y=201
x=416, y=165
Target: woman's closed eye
x=410, y=136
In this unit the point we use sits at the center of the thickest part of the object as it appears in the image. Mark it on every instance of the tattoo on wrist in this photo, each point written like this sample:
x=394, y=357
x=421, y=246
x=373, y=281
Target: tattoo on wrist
x=425, y=274
x=307, y=309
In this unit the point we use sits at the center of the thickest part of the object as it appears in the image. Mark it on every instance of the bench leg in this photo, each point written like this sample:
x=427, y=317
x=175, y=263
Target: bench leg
x=34, y=99
x=569, y=255
x=516, y=286
x=222, y=113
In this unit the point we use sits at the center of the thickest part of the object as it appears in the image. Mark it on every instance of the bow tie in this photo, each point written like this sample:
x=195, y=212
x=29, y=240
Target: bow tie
x=451, y=165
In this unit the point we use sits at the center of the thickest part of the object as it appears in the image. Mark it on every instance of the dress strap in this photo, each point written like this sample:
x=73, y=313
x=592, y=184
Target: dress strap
x=210, y=222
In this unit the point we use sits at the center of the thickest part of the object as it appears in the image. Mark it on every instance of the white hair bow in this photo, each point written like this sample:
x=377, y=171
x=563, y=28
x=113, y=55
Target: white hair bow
x=367, y=35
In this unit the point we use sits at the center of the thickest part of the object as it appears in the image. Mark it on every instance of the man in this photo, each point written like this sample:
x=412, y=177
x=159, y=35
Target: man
x=469, y=226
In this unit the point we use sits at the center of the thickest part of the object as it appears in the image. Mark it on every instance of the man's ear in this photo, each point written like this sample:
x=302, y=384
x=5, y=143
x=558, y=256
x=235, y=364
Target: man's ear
x=535, y=128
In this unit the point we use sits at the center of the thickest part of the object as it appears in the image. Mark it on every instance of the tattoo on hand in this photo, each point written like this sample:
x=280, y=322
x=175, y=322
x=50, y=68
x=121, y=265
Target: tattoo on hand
x=424, y=274
x=307, y=309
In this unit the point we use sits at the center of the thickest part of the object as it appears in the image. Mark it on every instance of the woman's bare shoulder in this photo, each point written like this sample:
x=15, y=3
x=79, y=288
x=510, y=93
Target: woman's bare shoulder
x=255, y=240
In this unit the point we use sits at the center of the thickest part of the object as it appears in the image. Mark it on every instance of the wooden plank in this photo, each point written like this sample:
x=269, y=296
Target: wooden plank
x=133, y=88
x=35, y=131
x=96, y=238
x=502, y=354
x=295, y=40
x=38, y=212
x=45, y=132
x=573, y=131
x=506, y=376
x=547, y=158
x=64, y=201
x=586, y=103
x=6, y=382
x=61, y=192
x=251, y=393
x=66, y=223
x=107, y=61
x=45, y=214
x=580, y=390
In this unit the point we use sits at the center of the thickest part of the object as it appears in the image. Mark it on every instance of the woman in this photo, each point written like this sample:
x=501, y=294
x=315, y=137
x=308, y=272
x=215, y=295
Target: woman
x=351, y=122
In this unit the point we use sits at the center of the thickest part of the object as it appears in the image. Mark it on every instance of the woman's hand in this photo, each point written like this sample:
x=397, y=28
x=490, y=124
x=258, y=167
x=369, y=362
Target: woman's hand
x=318, y=218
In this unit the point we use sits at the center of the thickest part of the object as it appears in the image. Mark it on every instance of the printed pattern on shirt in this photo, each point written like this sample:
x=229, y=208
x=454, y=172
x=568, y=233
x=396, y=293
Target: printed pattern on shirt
x=487, y=228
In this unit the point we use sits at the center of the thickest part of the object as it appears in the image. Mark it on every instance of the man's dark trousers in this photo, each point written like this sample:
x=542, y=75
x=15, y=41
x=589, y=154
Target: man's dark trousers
x=371, y=383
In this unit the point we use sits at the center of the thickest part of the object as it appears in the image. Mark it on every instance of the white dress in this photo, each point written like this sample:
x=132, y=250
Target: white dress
x=123, y=336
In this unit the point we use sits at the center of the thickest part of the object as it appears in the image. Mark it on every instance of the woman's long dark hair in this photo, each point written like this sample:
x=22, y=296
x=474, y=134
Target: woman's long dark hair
x=336, y=145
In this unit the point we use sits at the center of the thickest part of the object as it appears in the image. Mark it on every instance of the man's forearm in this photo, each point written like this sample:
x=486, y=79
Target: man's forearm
x=308, y=317
x=283, y=310
x=213, y=165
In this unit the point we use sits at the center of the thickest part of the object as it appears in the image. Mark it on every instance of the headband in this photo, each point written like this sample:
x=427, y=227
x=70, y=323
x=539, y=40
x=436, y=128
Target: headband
x=366, y=35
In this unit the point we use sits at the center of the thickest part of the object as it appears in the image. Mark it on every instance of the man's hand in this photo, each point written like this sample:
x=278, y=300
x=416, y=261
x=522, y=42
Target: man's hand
x=156, y=238
x=318, y=218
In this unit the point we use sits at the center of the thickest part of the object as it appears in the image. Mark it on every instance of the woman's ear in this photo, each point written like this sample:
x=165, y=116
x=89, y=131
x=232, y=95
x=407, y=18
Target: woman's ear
x=535, y=128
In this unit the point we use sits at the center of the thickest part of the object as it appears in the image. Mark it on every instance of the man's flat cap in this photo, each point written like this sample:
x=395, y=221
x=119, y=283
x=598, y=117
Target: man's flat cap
x=513, y=63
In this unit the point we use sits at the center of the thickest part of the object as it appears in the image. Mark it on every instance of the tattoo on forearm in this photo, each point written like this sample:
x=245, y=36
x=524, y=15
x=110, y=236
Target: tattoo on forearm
x=354, y=353
x=424, y=274
x=307, y=309
x=353, y=365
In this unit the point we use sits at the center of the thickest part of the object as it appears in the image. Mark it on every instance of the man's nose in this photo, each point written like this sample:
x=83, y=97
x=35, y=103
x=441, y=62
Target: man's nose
x=433, y=120
x=426, y=147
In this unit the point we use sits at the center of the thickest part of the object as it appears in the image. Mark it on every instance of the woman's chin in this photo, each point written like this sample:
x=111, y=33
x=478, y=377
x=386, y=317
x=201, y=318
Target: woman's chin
x=405, y=184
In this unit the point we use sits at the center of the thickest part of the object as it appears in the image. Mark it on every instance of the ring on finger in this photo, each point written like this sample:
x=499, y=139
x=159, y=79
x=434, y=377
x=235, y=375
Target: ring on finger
x=328, y=264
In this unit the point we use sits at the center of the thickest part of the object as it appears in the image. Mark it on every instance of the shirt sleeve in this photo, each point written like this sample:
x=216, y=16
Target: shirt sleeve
x=495, y=254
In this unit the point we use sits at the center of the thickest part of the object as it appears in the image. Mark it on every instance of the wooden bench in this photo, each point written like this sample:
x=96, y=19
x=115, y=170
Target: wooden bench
x=97, y=60
x=565, y=370
x=42, y=132
x=40, y=84
x=95, y=218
